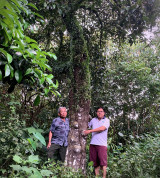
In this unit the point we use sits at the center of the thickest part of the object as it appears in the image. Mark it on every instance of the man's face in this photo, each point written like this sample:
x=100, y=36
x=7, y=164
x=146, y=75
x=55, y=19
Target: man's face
x=63, y=113
x=100, y=113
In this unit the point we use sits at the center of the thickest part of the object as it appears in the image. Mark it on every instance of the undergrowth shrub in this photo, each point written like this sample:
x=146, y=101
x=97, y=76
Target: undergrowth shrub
x=141, y=158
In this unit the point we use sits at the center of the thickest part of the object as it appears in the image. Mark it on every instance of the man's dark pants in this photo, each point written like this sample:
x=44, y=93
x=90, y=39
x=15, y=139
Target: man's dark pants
x=57, y=152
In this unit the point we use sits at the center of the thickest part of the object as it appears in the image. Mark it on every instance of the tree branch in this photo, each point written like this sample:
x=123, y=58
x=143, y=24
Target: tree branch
x=99, y=19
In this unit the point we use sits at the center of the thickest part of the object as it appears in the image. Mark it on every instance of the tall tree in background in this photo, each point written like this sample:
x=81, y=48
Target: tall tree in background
x=88, y=24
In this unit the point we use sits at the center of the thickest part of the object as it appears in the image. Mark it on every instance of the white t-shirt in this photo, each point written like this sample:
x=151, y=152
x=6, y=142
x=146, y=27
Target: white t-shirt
x=99, y=138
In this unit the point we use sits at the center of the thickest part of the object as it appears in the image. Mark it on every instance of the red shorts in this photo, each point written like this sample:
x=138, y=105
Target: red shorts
x=98, y=154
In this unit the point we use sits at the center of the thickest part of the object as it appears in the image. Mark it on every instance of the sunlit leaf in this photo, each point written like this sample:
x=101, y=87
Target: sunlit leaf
x=17, y=159
x=16, y=167
x=33, y=159
x=40, y=137
x=58, y=93
x=7, y=70
x=18, y=76
x=50, y=76
x=49, y=80
x=48, y=67
x=9, y=57
x=29, y=70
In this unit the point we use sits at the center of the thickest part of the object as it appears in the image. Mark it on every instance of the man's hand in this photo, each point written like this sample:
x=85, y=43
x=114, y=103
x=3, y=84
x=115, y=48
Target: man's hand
x=49, y=144
x=86, y=132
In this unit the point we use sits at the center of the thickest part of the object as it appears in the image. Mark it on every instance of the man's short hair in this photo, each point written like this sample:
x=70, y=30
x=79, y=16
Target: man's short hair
x=61, y=108
x=99, y=108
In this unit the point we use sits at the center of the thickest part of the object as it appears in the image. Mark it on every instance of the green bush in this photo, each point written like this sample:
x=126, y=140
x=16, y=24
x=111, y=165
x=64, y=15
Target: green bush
x=140, y=160
x=18, y=143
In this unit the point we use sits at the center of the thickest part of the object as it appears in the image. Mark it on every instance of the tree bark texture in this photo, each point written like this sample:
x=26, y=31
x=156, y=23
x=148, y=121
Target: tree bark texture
x=79, y=95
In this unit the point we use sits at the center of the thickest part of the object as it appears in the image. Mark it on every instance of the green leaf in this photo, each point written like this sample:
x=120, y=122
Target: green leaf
x=0, y=75
x=50, y=76
x=46, y=90
x=46, y=173
x=58, y=93
x=32, y=5
x=55, y=85
x=27, y=169
x=29, y=40
x=42, y=80
x=38, y=15
x=38, y=72
x=48, y=67
x=54, y=93
x=12, y=71
x=7, y=70
x=35, y=46
x=3, y=51
x=16, y=6
x=29, y=70
x=90, y=163
x=33, y=144
x=17, y=159
x=9, y=58
x=40, y=138
x=19, y=33
x=49, y=80
x=52, y=55
x=36, y=174
x=33, y=159
x=31, y=129
x=18, y=76
x=16, y=167
x=8, y=20
x=37, y=101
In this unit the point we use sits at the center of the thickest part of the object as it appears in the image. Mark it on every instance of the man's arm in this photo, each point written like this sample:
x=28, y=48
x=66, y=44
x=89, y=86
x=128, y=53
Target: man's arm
x=50, y=137
x=99, y=129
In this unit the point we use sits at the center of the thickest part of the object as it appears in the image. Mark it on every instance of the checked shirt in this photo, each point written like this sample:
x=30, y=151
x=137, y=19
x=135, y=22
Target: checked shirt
x=60, y=131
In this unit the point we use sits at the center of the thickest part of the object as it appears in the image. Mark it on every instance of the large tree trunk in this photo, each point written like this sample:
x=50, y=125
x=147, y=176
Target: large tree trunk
x=79, y=95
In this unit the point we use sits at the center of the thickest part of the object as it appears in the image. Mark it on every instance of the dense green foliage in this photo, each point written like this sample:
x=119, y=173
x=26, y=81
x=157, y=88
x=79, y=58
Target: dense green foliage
x=22, y=59
x=140, y=158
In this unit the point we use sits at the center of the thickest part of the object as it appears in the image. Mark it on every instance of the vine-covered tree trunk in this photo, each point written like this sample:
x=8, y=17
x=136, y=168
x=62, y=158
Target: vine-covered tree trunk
x=79, y=95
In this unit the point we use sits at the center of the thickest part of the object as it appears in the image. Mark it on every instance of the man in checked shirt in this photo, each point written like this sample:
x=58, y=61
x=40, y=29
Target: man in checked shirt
x=58, y=136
